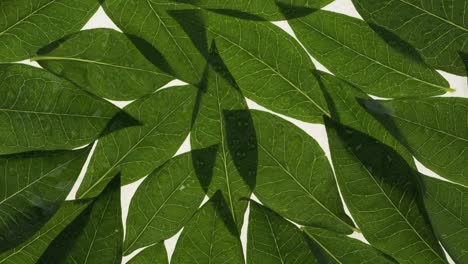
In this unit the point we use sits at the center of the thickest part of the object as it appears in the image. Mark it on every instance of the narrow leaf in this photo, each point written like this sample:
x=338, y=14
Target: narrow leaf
x=379, y=190
x=210, y=237
x=28, y=25
x=95, y=236
x=352, y=50
x=40, y=111
x=434, y=129
x=163, y=204
x=438, y=30
x=31, y=250
x=152, y=254
x=104, y=62
x=136, y=151
x=272, y=239
x=33, y=187
x=294, y=177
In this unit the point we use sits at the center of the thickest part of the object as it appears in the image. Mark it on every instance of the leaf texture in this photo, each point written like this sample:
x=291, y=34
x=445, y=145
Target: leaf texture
x=210, y=237
x=352, y=50
x=39, y=111
x=152, y=254
x=104, y=62
x=28, y=25
x=272, y=239
x=294, y=177
x=380, y=192
x=437, y=29
x=163, y=204
x=434, y=129
x=33, y=187
x=137, y=151
x=95, y=236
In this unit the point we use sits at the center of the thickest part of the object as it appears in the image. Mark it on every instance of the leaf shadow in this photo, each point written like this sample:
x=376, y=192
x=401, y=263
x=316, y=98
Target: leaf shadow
x=221, y=207
x=204, y=162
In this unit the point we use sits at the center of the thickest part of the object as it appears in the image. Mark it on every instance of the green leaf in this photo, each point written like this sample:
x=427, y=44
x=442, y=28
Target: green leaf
x=275, y=76
x=136, y=151
x=272, y=239
x=39, y=111
x=95, y=61
x=294, y=177
x=163, y=204
x=28, y=25
x=152, y=254
x=336, y=248
x=351, y=50
x=33, y=187
x=224, y=124
x=149, y=20
x=210, y=237
x=95, y=236
x=31, y=250
x=438, y=30
x=434, y=129
x=447, y=207
x=379, y=190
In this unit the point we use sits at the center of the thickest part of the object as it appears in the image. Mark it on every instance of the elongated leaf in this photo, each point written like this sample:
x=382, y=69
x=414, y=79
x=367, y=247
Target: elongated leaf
x=447, y=207
x=95, y=236
x=434, y=129
x=28, y=25
x=104, y=62
x=272, y=239
x=438, y=30
x=31, y=250
x=210, y=237
x=152, y=254
x=294, y=177
x=33, y=187
x=136, y=151
x=269, y=65
x=39, y=111
x=150, y=21
x=351, y=50
x=378, y=187
x=163, y=203
x=337, y=248
x=224, y=124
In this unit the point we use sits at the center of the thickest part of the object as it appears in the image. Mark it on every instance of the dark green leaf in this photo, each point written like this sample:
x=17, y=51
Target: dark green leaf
x=438, y=30
x=349, y=48
x=378, y=187
x=33, y=187
x=294, y=177
x=447, y=207
x=337, y=248
x=153, y=254
x=95, y=236
x=272, y=239
x=40, y=111
x=434, y=129
x=104, y=62
x=163, y=203
x=31, y=250
x=150, y=21
x=136, y=151
x=210, y=237
x=28, y=25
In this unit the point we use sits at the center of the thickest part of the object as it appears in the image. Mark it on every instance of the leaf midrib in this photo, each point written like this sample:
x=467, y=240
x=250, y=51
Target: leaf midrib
x=323, y=247
x=274, y=238
x=51, y=113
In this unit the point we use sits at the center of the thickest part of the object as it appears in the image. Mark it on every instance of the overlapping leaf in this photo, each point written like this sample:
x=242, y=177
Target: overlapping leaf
x=104, y=62
x=349, y=48
x=163, y=203
x=152, y=254
x=39, y=111
x=136, y=151
x=28, y=25
x=33, y=187
x=380, y=191
x=438, y=30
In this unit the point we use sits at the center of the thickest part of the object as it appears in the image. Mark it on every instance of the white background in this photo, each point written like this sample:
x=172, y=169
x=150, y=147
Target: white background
x=100, y=20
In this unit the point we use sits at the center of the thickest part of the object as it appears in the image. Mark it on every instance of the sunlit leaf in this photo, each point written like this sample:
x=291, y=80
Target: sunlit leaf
x=152, y=254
